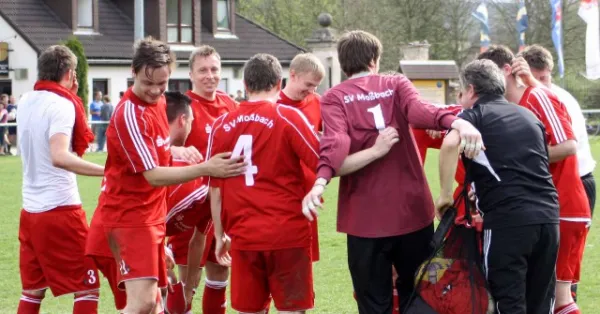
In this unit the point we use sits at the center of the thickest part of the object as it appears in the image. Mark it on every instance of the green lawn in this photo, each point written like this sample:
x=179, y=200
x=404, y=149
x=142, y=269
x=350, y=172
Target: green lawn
x=332, y=281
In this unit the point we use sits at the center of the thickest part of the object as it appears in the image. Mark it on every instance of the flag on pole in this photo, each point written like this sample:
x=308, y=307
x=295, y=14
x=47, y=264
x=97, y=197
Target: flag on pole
x=481, y=14
x=522, y=24
x=557, y=34
x=588, y=11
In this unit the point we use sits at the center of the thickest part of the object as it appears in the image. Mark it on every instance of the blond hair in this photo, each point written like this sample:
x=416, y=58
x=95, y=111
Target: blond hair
x=202, y=51
x=307, y=63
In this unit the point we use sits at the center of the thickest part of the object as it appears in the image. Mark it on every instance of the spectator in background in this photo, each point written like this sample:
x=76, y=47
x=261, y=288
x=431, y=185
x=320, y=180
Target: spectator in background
x=106, y=112
x=3, y=119
x=95, y=110
x=240, y=96
x=12, y=118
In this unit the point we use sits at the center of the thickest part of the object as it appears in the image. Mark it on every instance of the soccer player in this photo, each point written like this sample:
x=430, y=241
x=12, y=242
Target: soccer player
x=514, y=192
x=208, y=103
x=179, y=116
x=132, y=204
x=270, y=238
x=306, y=74
x=53, y=228
x=575, y=212
x=541, y=63
x=397, y=228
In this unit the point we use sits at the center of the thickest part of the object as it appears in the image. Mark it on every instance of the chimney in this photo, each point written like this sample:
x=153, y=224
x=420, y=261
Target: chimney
x=417, y=51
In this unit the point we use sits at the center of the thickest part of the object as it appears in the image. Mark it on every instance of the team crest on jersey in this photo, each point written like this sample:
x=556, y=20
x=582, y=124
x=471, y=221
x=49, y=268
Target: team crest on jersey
x=208, y=128
x=179, y=217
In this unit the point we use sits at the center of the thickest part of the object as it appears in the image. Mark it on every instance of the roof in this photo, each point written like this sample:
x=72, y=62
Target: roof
x=41, y=27
x=429, y=69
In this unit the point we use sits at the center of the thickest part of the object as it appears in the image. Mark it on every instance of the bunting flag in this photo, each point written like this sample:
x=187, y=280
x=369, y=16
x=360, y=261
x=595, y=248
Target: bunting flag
x=481, y=14
x=557, y=34
x=522, y=23
x=588, y=11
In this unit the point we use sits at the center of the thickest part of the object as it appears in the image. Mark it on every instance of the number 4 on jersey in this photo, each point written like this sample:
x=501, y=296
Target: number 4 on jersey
x=243, y=147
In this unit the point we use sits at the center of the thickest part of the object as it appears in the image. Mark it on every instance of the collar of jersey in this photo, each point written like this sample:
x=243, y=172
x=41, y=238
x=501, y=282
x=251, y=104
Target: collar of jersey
x=360, y=74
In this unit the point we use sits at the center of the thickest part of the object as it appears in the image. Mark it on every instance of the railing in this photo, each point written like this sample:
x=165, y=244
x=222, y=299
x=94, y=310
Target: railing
x=593, y=125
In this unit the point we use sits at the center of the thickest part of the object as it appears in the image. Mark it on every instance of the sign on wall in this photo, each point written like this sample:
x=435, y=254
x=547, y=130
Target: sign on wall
x=433, y=91
x=3, y=59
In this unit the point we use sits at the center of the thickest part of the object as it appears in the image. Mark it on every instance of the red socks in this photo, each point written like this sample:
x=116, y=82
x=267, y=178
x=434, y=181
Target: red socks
x=214, y=299
x=568, y=309
x=86, y=303
x=29, y=304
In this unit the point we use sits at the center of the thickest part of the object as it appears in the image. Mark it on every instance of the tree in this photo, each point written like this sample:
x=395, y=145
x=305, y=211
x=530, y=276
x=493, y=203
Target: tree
x=82, y=69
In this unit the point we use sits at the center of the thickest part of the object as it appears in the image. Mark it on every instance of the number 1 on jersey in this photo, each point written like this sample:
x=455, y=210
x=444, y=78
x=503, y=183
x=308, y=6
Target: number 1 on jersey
x=243, y=146
x=378, y=116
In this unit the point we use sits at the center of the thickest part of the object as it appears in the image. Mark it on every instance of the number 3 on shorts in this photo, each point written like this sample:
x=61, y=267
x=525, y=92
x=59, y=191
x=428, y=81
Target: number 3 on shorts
x=91, y=276
x=243, y=146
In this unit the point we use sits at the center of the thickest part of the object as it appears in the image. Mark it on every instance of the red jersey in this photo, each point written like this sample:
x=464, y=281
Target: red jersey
x=138, y=140
x=263, y=209
x=553, y=114
x=310, y=107
x=205, y=112
x=183, y=203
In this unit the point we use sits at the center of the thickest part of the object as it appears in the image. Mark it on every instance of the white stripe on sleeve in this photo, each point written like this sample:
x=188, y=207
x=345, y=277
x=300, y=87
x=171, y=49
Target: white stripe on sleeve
x=546, y=104
x=136, y=136
x=279, y=106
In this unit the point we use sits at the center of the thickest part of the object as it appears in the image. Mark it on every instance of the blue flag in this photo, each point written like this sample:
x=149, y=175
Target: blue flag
x=481, y=14
x=522, y=23
x=557, y=34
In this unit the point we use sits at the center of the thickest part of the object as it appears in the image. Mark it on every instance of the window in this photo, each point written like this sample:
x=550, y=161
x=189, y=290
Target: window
x=180, y=21
x=85, y=14
x=182, y=85
x=100, y=85
x=223, y=15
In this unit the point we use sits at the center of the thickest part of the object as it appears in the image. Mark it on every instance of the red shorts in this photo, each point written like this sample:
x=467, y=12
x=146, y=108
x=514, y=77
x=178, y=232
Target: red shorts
x=314, y=246
x=285, y=274
x=97, y=244
x=570, y=250
x=139, y=252
x=52, y=251
x=108, y=267
x=179, y=245
x=209, y=247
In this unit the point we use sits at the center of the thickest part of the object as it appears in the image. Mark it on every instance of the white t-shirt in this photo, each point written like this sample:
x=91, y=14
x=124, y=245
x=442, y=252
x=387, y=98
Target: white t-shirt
x=43, y=114
x=584, y=154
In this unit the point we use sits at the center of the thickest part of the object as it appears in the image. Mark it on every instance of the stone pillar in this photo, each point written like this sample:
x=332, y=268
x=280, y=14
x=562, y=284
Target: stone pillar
x=322, y=44
x=415, y=51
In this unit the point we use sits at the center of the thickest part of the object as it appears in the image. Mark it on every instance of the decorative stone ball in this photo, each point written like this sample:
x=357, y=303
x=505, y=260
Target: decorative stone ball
x=325, y=19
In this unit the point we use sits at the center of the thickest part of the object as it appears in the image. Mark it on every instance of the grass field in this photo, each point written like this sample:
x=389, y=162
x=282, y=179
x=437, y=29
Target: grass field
x=332, y=281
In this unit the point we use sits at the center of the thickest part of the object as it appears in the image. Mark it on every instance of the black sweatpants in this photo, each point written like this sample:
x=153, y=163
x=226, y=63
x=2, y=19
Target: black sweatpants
x=590, y=189
x=370, y=261
x=519, y=263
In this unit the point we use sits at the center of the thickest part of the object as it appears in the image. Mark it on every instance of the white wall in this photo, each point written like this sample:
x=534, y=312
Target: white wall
x=22, y=56
x=117, y=78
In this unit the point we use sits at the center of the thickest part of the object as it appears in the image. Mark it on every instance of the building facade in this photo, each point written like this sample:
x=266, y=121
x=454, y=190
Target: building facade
x=106, y=30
